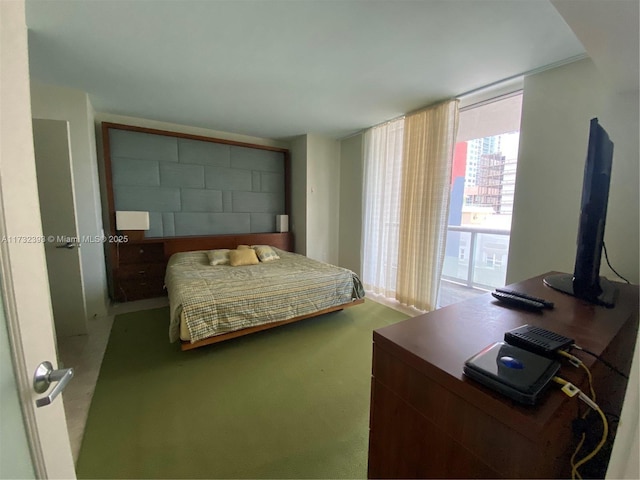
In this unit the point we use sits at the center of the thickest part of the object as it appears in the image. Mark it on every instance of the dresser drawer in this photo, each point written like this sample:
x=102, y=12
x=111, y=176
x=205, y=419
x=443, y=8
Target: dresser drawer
x=141, y=271
x=140, y=253
x=137, y=289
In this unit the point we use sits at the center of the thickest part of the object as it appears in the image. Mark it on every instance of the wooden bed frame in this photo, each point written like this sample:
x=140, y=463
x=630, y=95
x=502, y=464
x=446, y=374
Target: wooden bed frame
x=246, y=331
x=283, y=241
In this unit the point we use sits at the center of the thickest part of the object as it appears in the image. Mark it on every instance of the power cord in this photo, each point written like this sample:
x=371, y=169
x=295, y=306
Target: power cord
x=580, y=424
x=576, y=362
x=606, y=257
x=599, y=358
x=571, y=390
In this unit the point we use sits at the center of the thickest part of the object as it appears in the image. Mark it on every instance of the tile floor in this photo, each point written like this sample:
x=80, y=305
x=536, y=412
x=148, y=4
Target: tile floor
x=84, y=353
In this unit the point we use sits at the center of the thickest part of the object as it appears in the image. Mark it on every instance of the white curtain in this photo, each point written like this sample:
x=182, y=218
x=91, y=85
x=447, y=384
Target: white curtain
x=407, y=175
x=429, y=139
x=381, y=206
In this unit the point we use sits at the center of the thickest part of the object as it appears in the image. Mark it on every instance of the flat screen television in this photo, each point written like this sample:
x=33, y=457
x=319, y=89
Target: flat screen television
x=586, y=282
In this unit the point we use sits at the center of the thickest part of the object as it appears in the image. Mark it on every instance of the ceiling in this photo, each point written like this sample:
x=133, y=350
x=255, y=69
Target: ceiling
x=609, y=30
x=281, y=68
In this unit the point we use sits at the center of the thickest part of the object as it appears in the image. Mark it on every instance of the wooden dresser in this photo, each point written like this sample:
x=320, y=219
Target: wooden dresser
x=430, y=421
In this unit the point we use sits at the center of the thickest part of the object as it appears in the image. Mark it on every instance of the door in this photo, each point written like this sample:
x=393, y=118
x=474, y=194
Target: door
x=61, y=245
x=23, y=274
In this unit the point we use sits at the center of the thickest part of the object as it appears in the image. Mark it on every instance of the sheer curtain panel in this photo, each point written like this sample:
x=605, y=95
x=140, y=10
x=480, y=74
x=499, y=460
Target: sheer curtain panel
x=382, y=181
x=429, y=139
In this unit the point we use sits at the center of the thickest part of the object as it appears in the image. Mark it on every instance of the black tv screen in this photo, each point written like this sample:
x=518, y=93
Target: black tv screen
x=586, y=283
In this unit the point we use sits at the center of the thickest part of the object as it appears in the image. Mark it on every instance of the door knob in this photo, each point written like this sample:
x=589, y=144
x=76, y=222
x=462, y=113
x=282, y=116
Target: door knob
x=44, y=376
x=69, y=245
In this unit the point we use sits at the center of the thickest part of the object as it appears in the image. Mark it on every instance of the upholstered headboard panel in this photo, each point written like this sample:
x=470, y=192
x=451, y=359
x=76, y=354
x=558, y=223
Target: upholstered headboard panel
x=194, y=185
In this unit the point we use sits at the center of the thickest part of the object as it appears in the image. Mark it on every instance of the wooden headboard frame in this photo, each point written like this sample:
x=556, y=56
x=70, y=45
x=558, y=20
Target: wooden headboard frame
x=109, y=180
x=283, y=241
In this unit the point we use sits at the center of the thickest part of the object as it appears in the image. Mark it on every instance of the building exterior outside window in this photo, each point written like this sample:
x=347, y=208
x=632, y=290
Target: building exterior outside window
x=482, y=193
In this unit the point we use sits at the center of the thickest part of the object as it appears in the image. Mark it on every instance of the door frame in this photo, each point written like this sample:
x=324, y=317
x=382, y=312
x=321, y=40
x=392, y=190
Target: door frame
x=25, y=286
x=56, y=192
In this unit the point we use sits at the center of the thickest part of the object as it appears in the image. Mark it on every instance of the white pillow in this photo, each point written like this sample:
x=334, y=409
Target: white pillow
x=266, y=253
x=218, y=257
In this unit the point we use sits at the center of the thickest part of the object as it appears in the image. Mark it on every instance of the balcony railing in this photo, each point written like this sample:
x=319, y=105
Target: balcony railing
x=475, y=258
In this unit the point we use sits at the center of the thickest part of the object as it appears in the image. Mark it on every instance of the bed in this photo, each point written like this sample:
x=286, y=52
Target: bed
x=211, y=303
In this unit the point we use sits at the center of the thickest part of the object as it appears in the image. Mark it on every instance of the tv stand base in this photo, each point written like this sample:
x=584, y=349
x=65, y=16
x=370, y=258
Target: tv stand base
x=563, y=282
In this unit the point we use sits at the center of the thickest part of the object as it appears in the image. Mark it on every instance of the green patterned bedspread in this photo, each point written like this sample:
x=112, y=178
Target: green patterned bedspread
x=220, y=299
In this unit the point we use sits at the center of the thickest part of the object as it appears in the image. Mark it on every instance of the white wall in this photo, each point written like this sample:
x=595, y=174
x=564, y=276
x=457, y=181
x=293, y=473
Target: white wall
x=557, y=107
x=298, y=219
x=323, y=198
x=350, y=234
x=624, y=461
x=61, y=103
x=315, y=196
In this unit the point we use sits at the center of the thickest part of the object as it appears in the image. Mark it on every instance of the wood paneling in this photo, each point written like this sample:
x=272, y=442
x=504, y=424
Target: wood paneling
x=283, y=241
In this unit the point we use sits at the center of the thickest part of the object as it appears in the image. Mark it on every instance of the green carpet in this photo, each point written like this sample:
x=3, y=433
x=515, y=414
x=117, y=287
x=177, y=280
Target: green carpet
x=290, y=402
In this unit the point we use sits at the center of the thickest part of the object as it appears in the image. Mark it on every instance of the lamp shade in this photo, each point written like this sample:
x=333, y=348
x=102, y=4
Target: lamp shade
x=282, y=223
x=128, y=220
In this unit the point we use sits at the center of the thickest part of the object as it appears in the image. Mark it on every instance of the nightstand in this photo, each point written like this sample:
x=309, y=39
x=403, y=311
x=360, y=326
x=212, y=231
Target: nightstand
x=140, y=269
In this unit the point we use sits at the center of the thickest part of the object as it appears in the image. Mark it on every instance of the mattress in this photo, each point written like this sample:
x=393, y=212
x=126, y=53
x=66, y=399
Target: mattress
x=210, y=300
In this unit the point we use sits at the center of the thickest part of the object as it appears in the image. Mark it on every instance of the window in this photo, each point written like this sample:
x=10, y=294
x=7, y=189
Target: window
x=481, y=204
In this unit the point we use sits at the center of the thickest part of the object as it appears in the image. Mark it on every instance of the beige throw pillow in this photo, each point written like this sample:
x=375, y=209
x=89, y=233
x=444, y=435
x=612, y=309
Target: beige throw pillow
x=244, y=256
